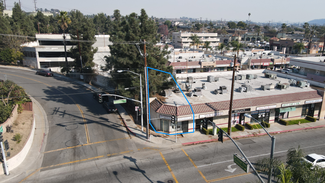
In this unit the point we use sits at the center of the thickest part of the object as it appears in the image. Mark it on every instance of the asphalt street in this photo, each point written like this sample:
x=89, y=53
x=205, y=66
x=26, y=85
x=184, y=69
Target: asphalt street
x=85, y=144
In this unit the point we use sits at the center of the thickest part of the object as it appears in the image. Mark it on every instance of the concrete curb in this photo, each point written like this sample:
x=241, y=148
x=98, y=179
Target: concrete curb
x=252, y=135
x=125, y=124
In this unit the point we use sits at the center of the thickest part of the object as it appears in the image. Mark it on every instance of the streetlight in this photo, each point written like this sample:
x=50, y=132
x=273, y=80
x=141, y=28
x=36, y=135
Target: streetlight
x=272, y=147
x=140, y=93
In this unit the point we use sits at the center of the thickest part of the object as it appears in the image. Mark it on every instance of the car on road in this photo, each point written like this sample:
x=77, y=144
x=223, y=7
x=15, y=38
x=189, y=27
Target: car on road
x=109, y=106
x=286, y=71
x=315, y=160
x=46, y=73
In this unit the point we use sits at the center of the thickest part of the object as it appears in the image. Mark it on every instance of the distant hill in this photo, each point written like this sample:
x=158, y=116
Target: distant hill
x=317, y=22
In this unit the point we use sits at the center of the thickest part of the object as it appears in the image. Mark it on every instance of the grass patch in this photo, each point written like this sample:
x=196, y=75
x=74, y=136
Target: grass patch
x=295, y=122
x=256, y=126
x=233, y=129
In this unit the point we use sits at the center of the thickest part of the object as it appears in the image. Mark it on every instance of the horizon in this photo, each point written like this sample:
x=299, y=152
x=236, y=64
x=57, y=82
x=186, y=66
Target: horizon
x=284, y=12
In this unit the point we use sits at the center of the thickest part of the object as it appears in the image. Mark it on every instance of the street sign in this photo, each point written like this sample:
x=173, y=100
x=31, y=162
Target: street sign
x=243, y=165
x=121, y=101
x=1, y=129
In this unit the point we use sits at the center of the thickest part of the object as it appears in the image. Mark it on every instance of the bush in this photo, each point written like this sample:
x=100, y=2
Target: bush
x=283, y=122
x=265, y=124
x=312, y=119
x=205, y=131
x=240, y=127
x=248, y=126
x=18, y=138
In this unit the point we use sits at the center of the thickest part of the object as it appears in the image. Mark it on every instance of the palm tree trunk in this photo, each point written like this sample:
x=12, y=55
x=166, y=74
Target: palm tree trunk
x=65, y=54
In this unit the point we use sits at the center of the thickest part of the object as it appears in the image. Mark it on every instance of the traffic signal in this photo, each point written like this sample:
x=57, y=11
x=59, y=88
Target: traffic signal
x=220, y=135
x=100, y=98
x=173, y=119
x=1, y=137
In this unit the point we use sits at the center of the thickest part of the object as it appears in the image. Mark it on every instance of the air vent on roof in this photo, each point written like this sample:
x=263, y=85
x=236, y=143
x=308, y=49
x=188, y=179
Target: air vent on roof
x=303, y=84
x=245, y=88
x=282, y=85
x=267, y=87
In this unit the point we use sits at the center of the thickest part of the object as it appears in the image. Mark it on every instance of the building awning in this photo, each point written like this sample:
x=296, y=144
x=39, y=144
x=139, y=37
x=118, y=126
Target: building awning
x=287, y=109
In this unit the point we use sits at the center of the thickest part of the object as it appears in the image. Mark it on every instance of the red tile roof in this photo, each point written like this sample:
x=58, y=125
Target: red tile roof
x=237, y=104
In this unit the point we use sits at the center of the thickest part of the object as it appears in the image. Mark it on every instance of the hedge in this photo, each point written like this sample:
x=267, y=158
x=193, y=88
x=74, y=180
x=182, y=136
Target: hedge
x=281, y=121
x=249, y=126
x=240, y=127
x=312, y=119
x=205, y=131
x=265, y=124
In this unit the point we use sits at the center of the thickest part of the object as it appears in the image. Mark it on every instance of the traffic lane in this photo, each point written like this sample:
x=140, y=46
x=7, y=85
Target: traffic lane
x=59, y=114
x=143, y=166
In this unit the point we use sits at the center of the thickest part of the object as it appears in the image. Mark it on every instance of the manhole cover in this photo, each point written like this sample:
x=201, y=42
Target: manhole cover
x=246, y=141
x=127, y=120
x=170, y=181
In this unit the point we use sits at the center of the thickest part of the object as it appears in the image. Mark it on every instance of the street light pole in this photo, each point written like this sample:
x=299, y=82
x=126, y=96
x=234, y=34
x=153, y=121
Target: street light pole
x=140, y=93
x=272, y=146
x=147, y=90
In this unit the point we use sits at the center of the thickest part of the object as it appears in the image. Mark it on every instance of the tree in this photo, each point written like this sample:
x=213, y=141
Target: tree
x=283, y=27
x=257, y=29
x=285, y=175
x=236, y=46
x=266, y=27
x=10, y=56
x=241, y=25
x=41, y=22
x=299, y=47
x=84, y=28
x=64, y=21
x=207, y=46
x=126, y=32
x=198, y=26
x=232, y=25
x=195, y=40
x=100, y=23
x=168, y=23
x=221, y=47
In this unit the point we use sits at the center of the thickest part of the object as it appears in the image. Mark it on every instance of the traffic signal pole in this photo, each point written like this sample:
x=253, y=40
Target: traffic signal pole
x=3, y=155
x=250, y=164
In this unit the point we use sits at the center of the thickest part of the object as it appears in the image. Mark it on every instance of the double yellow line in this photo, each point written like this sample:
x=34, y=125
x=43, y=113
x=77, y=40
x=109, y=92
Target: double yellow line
x=84, y=120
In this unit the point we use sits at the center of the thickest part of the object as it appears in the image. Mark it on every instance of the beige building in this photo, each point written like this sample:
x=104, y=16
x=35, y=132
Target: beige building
x=182, y=39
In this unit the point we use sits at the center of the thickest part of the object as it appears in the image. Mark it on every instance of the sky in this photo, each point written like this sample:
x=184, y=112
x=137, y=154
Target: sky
x=285, y=11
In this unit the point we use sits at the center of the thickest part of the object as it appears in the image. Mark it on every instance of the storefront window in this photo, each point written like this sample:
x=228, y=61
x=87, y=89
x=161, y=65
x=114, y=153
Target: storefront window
x=164, y=125
x=179, y=126
x=262, y=115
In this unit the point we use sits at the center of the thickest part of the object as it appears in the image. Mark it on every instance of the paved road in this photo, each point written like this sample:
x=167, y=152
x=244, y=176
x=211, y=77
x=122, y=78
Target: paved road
x=74, y=119
x=85, y=144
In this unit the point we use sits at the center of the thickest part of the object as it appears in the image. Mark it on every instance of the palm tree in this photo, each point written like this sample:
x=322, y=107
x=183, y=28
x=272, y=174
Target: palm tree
x=294, y=155
x=207, y=46
x=195, y=40
x=64, y=21
x=283, y=27
x=236, y=46
x=285, y=175
x=299, y=47
x=221, y=47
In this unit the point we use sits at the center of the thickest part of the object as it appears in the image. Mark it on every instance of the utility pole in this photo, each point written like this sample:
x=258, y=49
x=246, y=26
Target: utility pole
x=231, y=96
x=38, y=27
x=4, y=4
x=147, y=90
x=35, y=4
x=79, y=50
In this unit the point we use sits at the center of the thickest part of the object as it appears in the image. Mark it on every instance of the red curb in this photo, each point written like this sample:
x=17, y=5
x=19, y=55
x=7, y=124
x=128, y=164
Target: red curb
x=125, y=124
x=260, y=134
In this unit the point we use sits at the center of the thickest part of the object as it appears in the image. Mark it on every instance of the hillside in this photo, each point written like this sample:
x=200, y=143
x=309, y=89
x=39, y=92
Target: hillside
x=317, y=22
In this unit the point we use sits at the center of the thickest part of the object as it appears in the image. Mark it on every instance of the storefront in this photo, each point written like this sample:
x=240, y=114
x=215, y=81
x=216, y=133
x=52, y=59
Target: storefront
x=238, y=116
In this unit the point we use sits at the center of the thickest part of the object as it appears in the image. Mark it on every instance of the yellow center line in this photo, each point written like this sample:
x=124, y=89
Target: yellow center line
x=229, y=177
x=99, y=142
x=170, y=170
x=195, y=166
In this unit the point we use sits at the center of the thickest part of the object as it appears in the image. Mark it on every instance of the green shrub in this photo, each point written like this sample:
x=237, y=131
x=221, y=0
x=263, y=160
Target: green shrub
x=210, y=131
x=248, y=126
x=240, y=127
x=205, y=131
x=265, y=124
x=281, y=121
x=18, y=138
x=309, y=118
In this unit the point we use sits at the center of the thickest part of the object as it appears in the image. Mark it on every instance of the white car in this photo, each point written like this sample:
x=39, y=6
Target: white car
x=286, y=71
x=315, y=160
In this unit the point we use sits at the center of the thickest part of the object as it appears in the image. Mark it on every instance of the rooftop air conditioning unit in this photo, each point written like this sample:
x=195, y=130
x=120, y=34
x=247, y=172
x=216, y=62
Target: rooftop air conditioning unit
x=303, y=84
x=282, y=85
x=293, y=82
x=269, y=75
x=245, y=88
x=267, y=87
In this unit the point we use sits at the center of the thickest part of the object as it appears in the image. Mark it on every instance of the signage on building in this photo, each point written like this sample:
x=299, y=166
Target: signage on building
x=193, y=66
x=290, y=104
x=185, y=118
x=241, y=110
x=266, y=107
x=216, y=113
x=313, y=101
x=164, y=117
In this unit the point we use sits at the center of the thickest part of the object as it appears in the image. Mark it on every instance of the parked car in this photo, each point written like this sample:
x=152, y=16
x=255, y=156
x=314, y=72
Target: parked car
x=109, y=106
x=315, y=160
x=287, y=71
x=46, y=73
